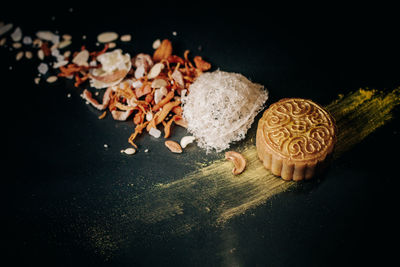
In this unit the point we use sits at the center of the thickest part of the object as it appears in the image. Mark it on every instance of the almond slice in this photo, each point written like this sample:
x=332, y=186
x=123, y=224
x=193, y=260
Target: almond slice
x=173, y=146
x=238, y=161
x=107, y=37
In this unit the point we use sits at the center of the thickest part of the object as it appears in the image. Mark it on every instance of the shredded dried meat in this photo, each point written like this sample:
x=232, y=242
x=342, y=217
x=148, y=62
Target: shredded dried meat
x=148, y=88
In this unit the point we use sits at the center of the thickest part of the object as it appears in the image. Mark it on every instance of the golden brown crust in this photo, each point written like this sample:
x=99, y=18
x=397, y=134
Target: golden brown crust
x=294, y=138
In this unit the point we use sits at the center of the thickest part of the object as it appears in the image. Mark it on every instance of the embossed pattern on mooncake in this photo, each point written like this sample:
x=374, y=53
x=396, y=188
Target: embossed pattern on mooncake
x=295, y=131
x=298, y=129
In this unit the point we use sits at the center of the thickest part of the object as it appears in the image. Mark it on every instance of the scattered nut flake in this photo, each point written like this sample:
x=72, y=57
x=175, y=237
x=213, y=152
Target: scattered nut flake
x=17, y=45
x=17, y=35
x=129, y=151
x=60, y=64
x=158, y=83
x=156, y=44
x=28, y=54
x=52, y=79
x=155, y=70
x=48, y=36
x=186, y=140
x=159, y=80
x=67, y=54
x=140, y=72
x=149, y=116
x=126, y=38
x=66, y=37
x=5, y=28
x=159, y=94
x=81, y=59
x=37, y=43
x=19, y=55
x=173, y=146
x=40, y=54
x=107, y=37
x=64, y=44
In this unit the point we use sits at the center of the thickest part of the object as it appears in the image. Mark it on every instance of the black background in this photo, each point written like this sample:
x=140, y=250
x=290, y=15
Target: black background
x=56, y=162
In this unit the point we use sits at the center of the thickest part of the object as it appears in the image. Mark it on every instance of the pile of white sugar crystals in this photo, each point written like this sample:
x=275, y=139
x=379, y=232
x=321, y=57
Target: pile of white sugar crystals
x=221, y=107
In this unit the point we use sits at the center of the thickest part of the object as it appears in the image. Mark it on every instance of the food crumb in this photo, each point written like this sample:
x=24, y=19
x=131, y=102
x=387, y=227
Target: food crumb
x=129, y=151
x=146, y=150
x=105, y=146
x=156, y=44
x=43, y=68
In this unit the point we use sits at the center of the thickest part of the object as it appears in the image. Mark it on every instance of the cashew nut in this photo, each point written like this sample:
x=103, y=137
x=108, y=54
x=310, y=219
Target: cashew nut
x=238, y=161
x=187, y=140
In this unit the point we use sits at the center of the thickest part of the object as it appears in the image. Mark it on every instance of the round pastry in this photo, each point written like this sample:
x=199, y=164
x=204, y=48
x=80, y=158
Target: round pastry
x=295, y=137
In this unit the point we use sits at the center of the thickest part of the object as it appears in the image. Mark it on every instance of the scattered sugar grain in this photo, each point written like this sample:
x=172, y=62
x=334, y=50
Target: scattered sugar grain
x=27, y=40
x=155, y=132
x=174, y=33
x=43, y=68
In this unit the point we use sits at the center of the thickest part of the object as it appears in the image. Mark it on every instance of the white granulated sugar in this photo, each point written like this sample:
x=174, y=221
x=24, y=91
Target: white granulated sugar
x=221, y=107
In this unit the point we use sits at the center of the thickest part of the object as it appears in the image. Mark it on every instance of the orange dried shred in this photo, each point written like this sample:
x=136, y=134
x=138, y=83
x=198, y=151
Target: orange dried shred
x=178, y=72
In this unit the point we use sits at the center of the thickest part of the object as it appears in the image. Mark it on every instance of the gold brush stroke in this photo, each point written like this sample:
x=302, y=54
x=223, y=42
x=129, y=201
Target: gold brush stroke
x=211, y=195
x=357, y=115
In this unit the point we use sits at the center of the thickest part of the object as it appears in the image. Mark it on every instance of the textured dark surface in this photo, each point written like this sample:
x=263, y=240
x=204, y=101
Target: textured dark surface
x=60, y=180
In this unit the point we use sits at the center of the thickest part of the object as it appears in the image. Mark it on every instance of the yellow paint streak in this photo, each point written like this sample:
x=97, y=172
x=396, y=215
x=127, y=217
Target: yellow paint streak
x=211, y=195
x=357, y=115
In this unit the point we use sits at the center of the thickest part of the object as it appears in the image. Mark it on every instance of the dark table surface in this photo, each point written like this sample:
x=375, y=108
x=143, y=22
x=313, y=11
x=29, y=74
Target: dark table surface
x=60, y=180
